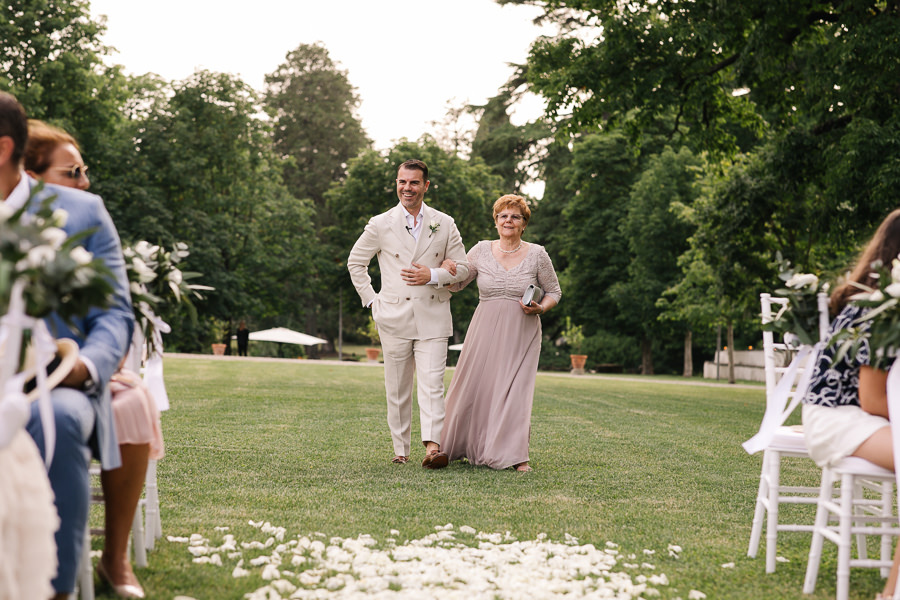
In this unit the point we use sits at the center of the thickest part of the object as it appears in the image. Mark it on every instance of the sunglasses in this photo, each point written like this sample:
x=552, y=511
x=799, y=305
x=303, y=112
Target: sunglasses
x=73, y=172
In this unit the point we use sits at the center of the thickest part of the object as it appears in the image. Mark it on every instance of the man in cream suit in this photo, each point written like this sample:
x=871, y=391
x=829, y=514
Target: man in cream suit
x=412, y=309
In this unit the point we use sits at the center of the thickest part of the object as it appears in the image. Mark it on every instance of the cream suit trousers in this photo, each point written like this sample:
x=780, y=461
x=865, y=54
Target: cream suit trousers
x=428, y=360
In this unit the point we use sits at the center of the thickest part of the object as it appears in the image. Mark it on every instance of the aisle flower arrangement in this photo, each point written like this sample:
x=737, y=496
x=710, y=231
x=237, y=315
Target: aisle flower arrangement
x=798, y=321
x=155, y=277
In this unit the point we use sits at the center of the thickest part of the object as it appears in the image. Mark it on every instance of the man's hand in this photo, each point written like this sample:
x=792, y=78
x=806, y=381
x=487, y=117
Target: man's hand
x=449, y=266
x=416, y=275
x=77, y=376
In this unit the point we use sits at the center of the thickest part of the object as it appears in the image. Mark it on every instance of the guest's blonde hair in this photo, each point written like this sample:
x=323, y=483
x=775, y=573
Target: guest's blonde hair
x=512, y=201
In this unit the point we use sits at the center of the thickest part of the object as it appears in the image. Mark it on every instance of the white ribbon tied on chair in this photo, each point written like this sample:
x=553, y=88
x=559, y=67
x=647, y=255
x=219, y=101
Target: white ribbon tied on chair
x=776, y=413
x=14, y=410
x=44, y=347
x=153, y=370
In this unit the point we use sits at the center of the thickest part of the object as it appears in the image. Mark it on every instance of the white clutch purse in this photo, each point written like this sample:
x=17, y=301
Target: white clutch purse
x=532, y=294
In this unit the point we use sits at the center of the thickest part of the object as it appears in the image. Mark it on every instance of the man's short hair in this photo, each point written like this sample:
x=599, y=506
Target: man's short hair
x=14, y=124
x=415, y=165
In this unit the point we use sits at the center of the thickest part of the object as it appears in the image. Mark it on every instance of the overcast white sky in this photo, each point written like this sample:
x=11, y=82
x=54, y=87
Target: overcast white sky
x=406, y=59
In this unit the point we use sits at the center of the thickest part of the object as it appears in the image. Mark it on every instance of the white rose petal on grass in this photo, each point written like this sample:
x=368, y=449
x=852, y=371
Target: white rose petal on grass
x=465, y=529
x=729, y=565
x=270, y=572
x=782, y=559
x=696, y=595
x=178, y=540
x=437, y=565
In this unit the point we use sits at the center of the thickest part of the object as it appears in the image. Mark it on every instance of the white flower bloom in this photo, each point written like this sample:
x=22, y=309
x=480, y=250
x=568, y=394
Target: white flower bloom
x=60, y=217
x=801, y=280
x=893, y=290
x=80, y=255
x=876, y=296
x=5, y=212
x=176, y=277
x=895, y=270
x=39, y=256
x=54, y=236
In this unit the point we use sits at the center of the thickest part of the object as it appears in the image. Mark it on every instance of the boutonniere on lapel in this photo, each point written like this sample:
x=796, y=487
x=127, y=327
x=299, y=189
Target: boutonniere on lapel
x=433, y=226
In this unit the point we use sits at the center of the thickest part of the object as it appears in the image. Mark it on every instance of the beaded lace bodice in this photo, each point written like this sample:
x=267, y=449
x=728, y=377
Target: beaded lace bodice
x=496, y=282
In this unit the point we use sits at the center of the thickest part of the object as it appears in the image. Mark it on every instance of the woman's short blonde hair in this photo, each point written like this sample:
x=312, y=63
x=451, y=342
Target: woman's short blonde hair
x=512, y=201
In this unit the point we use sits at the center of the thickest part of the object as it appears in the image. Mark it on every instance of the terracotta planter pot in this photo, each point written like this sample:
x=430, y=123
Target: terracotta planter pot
x=372, y=354
x=578, y=361
x=218, y=349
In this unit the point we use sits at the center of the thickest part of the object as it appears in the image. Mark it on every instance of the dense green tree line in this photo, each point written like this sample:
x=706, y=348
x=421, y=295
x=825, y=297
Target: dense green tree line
x=683, y=145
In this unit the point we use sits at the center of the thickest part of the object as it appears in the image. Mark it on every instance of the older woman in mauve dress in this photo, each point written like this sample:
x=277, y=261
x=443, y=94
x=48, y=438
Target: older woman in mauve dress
x=488, y=419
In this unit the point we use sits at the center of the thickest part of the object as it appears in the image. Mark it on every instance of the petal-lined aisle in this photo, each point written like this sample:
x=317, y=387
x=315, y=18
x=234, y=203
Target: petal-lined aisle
x=448, y=564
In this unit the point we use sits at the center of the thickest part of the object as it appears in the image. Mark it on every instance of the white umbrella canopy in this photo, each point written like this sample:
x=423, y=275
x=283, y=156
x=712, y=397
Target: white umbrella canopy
x=287, y=336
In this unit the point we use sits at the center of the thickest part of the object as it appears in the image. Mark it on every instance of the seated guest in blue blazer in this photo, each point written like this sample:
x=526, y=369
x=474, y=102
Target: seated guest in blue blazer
x=81, y=404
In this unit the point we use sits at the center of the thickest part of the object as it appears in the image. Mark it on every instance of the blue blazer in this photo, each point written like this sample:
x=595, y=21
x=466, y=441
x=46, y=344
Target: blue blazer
x=103, y=335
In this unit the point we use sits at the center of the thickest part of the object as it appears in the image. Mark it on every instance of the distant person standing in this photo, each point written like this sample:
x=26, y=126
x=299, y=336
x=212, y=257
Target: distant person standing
x=412, y=308
x=243, y=338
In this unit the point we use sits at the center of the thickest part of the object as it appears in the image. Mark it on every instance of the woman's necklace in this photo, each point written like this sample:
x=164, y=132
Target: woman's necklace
x=513, y=251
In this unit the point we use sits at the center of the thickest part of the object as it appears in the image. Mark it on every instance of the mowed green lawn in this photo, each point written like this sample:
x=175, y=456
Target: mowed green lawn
x=304, y=445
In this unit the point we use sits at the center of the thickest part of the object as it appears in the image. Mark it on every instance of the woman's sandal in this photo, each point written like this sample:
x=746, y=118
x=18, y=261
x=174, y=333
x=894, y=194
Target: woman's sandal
x=400, y=460
x=523, y=468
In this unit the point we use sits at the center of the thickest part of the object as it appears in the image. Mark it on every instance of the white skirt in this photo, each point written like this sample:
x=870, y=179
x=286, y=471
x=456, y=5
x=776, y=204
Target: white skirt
x=834, y=433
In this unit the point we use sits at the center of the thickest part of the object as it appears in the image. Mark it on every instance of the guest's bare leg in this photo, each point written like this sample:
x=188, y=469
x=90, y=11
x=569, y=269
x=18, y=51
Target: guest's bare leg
x=878, y=449
x=122, y=490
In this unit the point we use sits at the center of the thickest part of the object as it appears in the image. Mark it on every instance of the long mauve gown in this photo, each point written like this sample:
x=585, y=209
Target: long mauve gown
x=488, y=406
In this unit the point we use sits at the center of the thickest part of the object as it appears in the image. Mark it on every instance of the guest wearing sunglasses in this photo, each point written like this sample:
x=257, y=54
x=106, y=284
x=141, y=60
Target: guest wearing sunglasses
x=53, y=156
x=489, y=401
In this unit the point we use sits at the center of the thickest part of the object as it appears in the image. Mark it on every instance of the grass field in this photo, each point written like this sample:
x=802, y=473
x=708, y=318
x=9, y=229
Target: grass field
x=304, y=445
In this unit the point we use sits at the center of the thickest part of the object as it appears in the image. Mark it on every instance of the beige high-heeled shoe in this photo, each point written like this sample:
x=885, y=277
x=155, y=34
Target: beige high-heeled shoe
x=122, y=591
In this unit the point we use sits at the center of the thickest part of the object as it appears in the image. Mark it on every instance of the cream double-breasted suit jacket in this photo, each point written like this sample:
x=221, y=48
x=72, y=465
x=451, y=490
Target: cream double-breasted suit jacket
x=400, y=310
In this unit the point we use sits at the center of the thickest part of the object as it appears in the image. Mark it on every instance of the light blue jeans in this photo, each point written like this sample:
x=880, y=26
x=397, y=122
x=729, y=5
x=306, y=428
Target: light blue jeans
x=69, y=476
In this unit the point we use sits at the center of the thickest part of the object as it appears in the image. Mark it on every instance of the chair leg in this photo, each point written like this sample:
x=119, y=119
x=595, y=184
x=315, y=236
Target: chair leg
x=137, y=538
x=887, y=509
x=774, y=476
x=759, y=513
x=86, y=569
x=844, y=525
x=153, y=527
x=815, y=547
x=862, y=551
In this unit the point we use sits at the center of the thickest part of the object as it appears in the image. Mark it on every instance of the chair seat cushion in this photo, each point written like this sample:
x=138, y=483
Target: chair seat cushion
x=860, y=466
x=789, y=439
